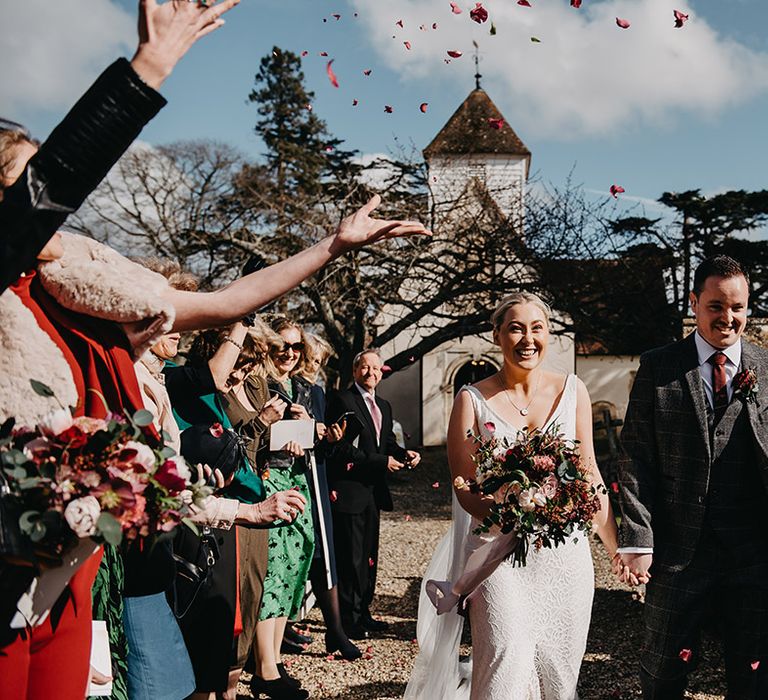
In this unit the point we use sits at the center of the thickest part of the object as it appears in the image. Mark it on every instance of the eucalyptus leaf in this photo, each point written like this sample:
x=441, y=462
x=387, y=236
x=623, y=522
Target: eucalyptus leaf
x=143, y=418
x=167, y=452
x=27, y=521
x=109, y=528
x=42, y=389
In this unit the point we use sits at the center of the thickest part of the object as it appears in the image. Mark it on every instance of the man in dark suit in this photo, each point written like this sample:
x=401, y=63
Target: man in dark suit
x=357, y=478
x=694, y=492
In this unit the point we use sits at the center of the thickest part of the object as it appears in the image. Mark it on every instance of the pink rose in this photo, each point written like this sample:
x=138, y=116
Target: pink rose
x=549, y=486
x=144, y=455
x=82, y=515
x=543, y=463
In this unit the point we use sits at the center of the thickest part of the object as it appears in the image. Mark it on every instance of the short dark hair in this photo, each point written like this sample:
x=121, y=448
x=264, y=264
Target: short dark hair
x=717, y=266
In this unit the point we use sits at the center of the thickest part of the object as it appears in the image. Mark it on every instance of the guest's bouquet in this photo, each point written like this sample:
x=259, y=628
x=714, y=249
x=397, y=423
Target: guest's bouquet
x=542, y=493
x=68, y=478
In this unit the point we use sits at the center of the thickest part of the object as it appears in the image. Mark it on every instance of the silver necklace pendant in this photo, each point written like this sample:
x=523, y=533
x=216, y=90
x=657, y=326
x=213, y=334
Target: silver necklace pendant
x=523, y=411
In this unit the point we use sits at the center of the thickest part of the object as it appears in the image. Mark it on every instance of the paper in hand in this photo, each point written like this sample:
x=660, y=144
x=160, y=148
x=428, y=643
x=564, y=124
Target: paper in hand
x=285, y=431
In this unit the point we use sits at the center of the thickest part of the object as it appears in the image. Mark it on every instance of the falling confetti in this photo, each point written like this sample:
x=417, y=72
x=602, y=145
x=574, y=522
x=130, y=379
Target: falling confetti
x=478, y=14
x=323, y=53
x=309, y=108
x=754, y=665
x=434, y=25
x=371, y=562
x=354, y=103
x=423, y=107
x=616, y=190
x=455, y=54
x=535, y=40
x=685, y=655
x=493, y=29
x=304, y=53
x=367, y=72
x=386, y=368
x=388, y=109
x=407, y=45
x=436, y=485
x=333, y=496
x=615, y=486
x=523, y=3
x=455, y=9
x=623, y=23
x=680, y=18
x=576, y=4
x=331, y=75
x=217, y=430
x=350, y=466
x=408, y=519
x=336, y=16
x=495, y=123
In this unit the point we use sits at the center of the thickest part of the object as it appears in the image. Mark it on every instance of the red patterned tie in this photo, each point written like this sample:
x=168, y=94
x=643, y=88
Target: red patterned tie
x=719, y=383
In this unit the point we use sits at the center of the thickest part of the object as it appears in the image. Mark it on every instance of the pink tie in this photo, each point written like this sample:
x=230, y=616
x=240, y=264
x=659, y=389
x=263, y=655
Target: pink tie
x=373, y=407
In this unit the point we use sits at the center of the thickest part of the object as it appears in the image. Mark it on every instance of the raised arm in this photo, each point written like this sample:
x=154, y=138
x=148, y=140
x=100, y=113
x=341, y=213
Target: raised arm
x=200, y=310
x=605, y=521
x=460, y=451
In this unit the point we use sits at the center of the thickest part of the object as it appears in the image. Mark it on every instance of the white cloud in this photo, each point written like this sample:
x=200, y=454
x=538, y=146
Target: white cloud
x=587, y=76
x=52, y=50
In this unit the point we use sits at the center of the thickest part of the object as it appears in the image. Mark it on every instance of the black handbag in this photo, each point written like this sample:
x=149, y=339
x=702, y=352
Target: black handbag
x=195, y=558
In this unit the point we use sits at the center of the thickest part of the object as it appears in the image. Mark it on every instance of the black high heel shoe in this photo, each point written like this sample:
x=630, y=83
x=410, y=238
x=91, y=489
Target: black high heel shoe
x=290, y=680
x=347, y=649
x=277, y=689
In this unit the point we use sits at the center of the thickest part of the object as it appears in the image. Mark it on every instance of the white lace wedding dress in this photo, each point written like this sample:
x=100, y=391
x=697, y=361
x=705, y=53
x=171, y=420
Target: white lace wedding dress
x=529, y=624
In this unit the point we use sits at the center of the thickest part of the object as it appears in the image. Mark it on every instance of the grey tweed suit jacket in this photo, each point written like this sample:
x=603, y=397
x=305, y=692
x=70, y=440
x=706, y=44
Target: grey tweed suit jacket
x=667, y=450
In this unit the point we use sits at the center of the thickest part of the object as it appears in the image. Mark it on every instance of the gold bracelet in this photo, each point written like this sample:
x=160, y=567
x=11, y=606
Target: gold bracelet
x=234, y=342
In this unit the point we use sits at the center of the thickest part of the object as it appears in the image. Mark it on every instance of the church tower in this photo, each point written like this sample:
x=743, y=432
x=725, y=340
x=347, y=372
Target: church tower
x=477, y=147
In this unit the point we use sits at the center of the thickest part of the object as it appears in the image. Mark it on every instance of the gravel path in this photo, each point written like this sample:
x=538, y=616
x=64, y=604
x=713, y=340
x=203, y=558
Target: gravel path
x=408, y=537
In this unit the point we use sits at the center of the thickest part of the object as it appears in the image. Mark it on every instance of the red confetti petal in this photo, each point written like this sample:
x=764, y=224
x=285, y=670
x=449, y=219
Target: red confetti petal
x=412, y=358
x=336, y=16
x=386, y=368
x=685, y=655
x=323, y=53
x=576, y=4
x=422, y=28
x=333, y=496
x=304, y=53
x=623, y=23
x=434, y=25
x=369, y=649
x=388, y=109
x=490, y=426
x=455, y=54
x=370, y=561
x=414, y=641
x=350, y=466
x=680, y=18
x=423, y=106
x=216, y=430
x=615, y=487
x=331, y=75
x=407, y=45
x=478, y=14
x=455, y=9
x=329, y=657
x=524, y=3
x=754, y=665
x=436, y=485
x=399, y=23
x=309, y=108
x=354, y=103
x=367, y=72
x=408, y=518
x=616, y=190
x=495, y=123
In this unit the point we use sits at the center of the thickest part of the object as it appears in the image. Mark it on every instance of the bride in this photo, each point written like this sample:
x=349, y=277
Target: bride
x=529, y=624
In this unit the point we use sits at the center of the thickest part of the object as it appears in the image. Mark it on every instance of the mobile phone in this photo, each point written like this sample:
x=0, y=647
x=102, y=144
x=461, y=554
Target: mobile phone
x=283, y=397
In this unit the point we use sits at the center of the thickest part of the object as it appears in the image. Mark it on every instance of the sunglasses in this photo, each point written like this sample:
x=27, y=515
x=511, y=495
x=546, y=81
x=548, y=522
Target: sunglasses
x=8, y=125
x=296, y=347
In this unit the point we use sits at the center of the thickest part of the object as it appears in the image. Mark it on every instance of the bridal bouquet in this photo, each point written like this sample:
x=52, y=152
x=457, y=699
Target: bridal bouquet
x=541, y=492
x=68, y=478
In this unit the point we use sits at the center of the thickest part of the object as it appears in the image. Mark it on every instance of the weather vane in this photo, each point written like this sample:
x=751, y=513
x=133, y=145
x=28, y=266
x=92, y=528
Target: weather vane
x=477, y=65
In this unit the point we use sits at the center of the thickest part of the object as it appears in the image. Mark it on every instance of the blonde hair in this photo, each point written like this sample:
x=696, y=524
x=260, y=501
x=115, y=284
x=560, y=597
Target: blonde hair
x=173, y=272
x=497, y=317
x=265, y=342
x=318, y=349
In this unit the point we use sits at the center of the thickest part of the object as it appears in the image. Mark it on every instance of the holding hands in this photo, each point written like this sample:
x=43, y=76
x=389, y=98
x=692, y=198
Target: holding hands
x=632, y=568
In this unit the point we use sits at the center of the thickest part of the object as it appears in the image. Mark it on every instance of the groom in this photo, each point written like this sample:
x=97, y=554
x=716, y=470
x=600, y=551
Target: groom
x=694, y=492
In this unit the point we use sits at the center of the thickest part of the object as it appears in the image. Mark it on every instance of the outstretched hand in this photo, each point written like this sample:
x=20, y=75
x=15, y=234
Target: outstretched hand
x=168, y=30
x=360, y=229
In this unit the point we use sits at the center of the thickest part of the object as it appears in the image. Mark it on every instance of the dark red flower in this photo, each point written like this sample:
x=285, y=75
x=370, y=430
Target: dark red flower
x=167, y=475
x=73, y=437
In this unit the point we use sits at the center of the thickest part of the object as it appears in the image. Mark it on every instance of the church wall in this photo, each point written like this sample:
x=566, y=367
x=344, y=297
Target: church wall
x=608, y=378
x=403, y=390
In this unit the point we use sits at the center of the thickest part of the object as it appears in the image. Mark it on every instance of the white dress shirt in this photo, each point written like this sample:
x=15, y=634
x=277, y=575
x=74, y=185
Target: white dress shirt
x=369, y=396
x=705, y=351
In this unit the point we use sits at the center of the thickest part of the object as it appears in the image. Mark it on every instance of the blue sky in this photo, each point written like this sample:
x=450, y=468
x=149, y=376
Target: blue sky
x=651, y=108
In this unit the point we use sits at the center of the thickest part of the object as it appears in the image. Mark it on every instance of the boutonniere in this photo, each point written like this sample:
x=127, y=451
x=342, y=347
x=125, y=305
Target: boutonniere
x=745, y=384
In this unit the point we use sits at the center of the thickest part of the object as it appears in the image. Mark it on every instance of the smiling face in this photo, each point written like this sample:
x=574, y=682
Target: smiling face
x=167, y=347
x=286, y=359
x=367, y=373
x=523, y=335
x=721, y=310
